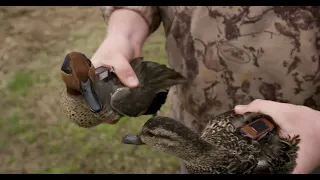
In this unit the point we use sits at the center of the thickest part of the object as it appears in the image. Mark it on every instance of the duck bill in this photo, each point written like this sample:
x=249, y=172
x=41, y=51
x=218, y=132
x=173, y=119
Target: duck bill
x=90, y=96
x=133, y=139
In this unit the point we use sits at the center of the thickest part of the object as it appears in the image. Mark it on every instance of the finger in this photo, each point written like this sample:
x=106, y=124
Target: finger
x=274, y=109
x=125, y=72
x=121, y=67
x=258, y=105
x=241, y=109
x=254, y=106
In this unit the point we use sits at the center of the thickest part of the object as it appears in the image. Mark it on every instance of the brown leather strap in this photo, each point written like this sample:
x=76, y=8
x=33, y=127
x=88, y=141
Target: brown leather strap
x=104, y=71
x=258, y=128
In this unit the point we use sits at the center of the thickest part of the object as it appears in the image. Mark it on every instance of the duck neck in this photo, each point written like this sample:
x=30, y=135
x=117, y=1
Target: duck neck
x=73, y=92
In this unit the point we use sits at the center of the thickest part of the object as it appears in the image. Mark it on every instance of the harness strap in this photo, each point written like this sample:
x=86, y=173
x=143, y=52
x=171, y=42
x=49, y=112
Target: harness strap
x=258, y=128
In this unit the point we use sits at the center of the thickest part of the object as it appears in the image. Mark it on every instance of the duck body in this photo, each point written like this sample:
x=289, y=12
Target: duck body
x=108, y=99
x=76, y=109
x=223, y=147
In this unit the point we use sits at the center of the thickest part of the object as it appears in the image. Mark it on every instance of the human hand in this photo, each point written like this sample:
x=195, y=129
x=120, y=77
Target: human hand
x=127, y=32
x=293, y=120
x=117, y=52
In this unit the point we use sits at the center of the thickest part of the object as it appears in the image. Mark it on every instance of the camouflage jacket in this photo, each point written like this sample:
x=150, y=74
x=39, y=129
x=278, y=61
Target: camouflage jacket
x=232, y=55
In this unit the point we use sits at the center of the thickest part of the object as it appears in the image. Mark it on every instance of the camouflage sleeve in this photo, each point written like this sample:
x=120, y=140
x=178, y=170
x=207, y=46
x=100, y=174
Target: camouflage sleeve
x=149, y=13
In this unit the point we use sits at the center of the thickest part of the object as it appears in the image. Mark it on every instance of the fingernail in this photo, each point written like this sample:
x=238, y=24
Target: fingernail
x=132, y=81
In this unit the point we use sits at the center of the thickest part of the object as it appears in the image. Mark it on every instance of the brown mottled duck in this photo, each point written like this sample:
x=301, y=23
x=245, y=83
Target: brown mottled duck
x=92, y=96
x=230, y=144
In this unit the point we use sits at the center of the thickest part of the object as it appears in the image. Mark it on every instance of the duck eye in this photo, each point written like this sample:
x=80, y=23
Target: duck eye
x=68, y=71
x=88, y=61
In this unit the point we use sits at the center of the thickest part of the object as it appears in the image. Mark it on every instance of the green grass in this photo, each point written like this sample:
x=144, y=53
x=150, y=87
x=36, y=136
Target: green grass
x=21, y=83
x=36, y=137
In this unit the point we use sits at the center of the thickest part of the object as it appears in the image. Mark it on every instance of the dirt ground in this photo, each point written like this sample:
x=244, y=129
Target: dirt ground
x=35, y=137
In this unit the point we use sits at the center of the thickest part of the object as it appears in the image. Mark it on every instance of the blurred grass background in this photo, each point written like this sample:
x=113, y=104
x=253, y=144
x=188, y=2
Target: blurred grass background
x=35, y=137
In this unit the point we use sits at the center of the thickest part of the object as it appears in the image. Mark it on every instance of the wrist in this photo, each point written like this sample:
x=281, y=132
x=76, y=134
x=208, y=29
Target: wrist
x=114, y=47
x=129, y=29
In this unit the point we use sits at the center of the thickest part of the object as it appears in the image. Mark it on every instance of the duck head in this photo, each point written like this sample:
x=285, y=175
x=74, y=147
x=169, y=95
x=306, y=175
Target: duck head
x=79, y=75
x=172, y=137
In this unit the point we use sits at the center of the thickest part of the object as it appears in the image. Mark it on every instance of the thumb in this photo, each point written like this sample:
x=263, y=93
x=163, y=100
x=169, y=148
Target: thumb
x=125, y=72
x=258, y=105
x=241, y=109
x=280, y=112
x=121, y=67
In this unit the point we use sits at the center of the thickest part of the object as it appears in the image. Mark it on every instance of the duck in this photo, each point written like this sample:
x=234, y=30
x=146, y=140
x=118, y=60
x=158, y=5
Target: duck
x=229, y=144
x=92, y=96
